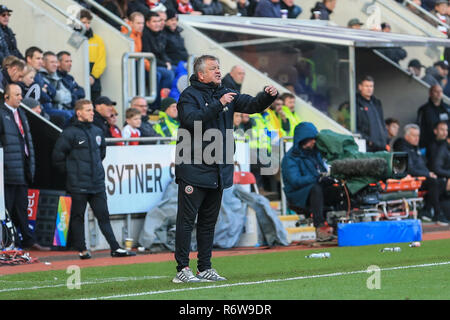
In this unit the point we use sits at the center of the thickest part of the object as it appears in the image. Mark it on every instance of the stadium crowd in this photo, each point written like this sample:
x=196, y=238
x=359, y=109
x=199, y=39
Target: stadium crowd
x=48, y=88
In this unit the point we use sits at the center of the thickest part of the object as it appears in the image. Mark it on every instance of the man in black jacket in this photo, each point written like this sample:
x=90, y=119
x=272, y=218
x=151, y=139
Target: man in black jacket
x=175, y=47
x=439, y=153
x=205, y=108
x=79, y=153
x=234, y=79
x=417, y=168
x=102, y=111
x=369, y=116
x=154, y=41
x=434, y=111
x=19, y=165
x=8, y=42
x=323, y=10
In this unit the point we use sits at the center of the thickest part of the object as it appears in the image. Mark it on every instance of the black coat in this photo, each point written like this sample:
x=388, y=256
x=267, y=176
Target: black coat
x=213, y=9
x=175, y=48
x=427, y=117
x=79, y=153
x=416, y=162
x=373, y=130
x=155, y=42
x=228, y=82
x=440, y=159
x=18, y=168
x=102, y=123
x=200, y=102
x=324, y=12
x=8, y=38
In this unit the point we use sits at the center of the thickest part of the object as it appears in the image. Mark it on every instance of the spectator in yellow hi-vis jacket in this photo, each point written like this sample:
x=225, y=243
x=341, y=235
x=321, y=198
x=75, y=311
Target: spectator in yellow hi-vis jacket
x=97, y=55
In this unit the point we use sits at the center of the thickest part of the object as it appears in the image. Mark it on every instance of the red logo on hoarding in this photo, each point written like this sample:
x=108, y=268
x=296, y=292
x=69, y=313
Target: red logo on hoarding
x=33, y=199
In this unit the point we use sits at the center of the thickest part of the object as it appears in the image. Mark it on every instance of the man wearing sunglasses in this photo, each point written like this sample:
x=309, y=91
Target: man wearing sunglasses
x=8, y=43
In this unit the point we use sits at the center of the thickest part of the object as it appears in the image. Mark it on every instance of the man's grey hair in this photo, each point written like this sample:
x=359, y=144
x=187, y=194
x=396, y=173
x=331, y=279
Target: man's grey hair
x=410, y=126
x=133, y=101
x=199, y=63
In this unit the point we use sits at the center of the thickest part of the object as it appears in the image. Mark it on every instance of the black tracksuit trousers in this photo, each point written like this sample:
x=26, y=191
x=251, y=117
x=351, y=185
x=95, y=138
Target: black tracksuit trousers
x=205, y=203
x=99, y=206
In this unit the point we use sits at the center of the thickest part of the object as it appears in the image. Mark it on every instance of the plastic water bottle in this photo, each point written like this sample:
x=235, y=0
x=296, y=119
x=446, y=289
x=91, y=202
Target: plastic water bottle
x=414, y=244
x=395, y=249
x=319, y=255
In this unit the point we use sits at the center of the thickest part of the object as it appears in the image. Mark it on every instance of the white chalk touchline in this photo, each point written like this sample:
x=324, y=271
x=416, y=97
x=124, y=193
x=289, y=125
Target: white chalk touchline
x=109, y=280
x=266, y=281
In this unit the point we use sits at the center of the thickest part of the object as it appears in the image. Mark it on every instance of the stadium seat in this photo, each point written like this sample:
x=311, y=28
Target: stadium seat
x=244, y=178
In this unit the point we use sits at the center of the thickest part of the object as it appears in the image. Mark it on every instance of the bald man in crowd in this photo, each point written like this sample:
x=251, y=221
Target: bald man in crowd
x=234, y=79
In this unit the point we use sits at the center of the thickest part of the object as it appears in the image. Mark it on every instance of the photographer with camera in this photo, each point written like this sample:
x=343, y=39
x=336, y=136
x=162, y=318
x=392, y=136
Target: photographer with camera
x=304, y=175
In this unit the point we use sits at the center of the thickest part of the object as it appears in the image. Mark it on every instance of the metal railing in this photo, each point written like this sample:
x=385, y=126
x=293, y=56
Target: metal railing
x=111, y=141
x=426, y=13
x=109, y=14
x=141, y=90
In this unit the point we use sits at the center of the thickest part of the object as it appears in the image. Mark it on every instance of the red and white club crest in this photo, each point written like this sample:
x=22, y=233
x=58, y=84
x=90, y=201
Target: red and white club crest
x=189, y=189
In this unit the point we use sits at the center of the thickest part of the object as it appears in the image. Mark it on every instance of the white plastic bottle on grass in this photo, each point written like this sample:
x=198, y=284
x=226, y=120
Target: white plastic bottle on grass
x=395, y=249
x=319, y=255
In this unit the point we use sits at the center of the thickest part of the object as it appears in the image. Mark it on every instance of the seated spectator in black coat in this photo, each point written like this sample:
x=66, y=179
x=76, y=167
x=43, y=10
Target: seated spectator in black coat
x=429, y=114
x=12, y=69
x=154, y=41
x=395, y=53
x=439, y=155
x=268, y=9
x=437, y=74
x=322, y=10
x=137, y=5
x=243, y=7
x=64, y=67
x=293, y=10
x=102, y=111
x=208, y=7
x=8, y=42
x=117, y=7
x=415, y=67
x=175, y=48
x=234, y=79
x=417, y=168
